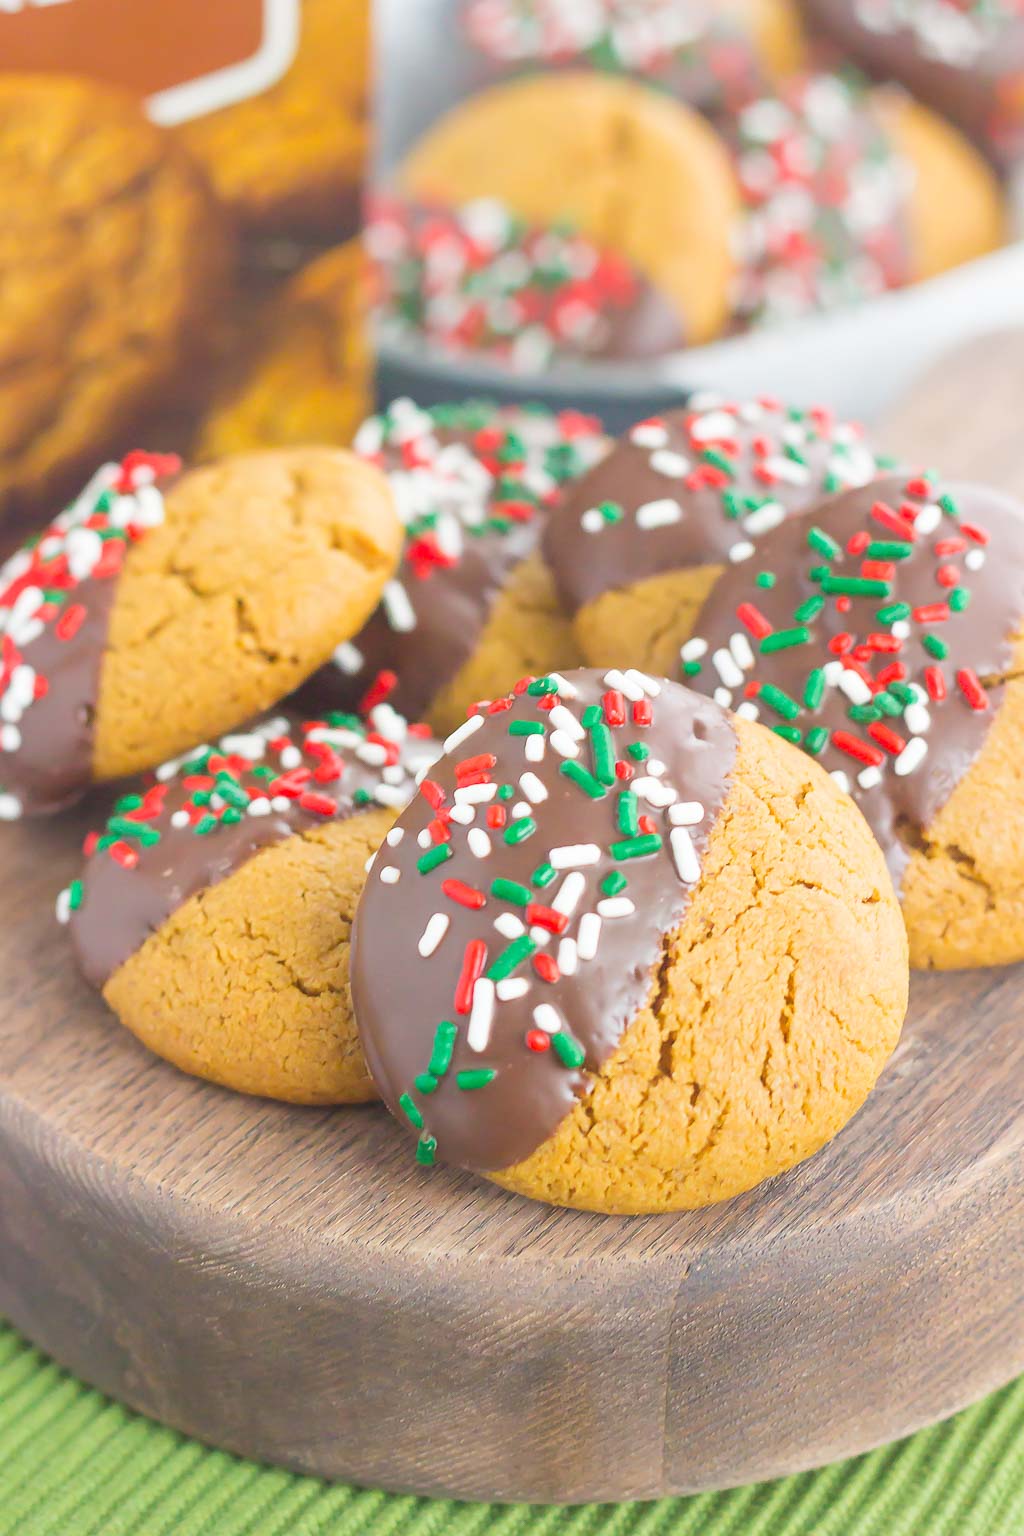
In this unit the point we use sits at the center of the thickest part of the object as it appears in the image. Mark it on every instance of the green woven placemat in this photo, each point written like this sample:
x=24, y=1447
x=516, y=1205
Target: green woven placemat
x=72, y=1463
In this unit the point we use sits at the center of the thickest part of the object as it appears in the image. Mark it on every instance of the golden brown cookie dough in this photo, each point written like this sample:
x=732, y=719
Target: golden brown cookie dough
x=628, y=168
x=113, y=261
x=308, y=379
x=291, y=159
x=663, y=947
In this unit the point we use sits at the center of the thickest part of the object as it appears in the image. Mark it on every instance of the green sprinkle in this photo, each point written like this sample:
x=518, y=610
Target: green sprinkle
x=543, y=875
x=719, y=460
x=639, y=751
x=959, y=599
x=105, y=841
x=691, y=668
x=201, y=797
x=885, y=549
x=433, y=857
x=893, y=613
x=541, y=686
x=591, y=715
x=476, y=1077
x=444, y=1045
x=361, y=797
x=611, y=511
x=781, y=702
x=604, y=753
x=526, y=728
x=636, y=847
x=205, y=824
x=732, y=504
x=426, y=1151
x=127, y=803
x=785, y=639
x=568, y=1050
x=411, y=1111
x=809, y=610
x=854, y=586
x=586, y=781
x=519, y=830
x=425, y=1083
x=264, y=773
x=935, y=647
x=885, y=702
x=789, y=733
x=823, y=544
x=504, y=964
x=819, y=572
x=232, y=816
x=903, y=692
x=816, y=739
x=511, y=890
x=505, y=792
x=629, y=813
x=949, y=506
x=230, y=790
x=122, y=827
x=765, y=579
x=814, y=688
x=864, y=714
x=75, y=893
x=614, y=883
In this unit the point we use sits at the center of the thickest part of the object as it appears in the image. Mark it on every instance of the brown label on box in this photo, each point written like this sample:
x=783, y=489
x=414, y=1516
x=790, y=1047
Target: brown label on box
x=185, y=57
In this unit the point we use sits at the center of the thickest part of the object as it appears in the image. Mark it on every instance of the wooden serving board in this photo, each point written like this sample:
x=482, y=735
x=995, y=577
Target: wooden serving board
x=288, y=1284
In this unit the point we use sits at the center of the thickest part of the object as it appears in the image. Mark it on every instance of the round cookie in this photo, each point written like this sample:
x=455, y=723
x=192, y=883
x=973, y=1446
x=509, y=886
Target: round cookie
x=639, y=542
x=113, y=262
x=213, y=912
x=625, y=167
x=965, y=58
x=155, y=613
x=308, y=377
x=625, y=952
x=470, y=608
x=709, y=53
x=885, y=636
x=291, y=159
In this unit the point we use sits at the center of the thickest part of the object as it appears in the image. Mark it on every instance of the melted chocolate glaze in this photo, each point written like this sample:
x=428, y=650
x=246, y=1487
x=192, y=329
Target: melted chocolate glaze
x=901, y=806
x=120, y=907
x=400, y=996
x=666, y=459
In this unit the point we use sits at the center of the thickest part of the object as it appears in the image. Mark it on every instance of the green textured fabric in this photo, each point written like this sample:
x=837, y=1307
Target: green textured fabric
x=72, y=1463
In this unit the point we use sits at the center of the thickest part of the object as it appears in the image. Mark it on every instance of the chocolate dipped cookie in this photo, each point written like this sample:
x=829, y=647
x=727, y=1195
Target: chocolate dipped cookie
x=883, y=634
x=213, y=911
x=638, y=542
x=157, y=611
x=624, y=951
x=470, y=608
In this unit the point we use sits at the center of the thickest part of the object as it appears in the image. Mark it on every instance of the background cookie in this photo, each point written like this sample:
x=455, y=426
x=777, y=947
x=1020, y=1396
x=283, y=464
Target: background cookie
x=633, y=954
x=213, y=912
x=308, y=376
x=291, y=159
x=148, y=618
x=639, y=542
x=888, y=645
x=113, y=259
x=625, y=167
x=470, y=608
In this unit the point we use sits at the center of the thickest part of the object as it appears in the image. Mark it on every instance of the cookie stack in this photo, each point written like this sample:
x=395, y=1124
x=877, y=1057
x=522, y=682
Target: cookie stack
x=717, y=701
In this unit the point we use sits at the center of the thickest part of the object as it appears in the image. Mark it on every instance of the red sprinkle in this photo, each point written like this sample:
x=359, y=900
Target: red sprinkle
x=537, y=1040
x=432, y=793
x=884, y=514
x=70, y=622
x=546, y=968
x=124, y=854
x=382, y=685
x=931, y=613
x=642, y=712
x=319, y=805
x=935, y=683
x=886, y=737
x=854, y=747
x=465, y=895
x=473, y=961
x=753, y=619
x=970, y=687
x=546, y=917
x=947, y=576
x=614, y=707
x=841, y=643
x=495, y=815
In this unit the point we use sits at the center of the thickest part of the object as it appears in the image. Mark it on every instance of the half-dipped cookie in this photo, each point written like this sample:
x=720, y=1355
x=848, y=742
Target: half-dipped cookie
x=157, y=612
x=640, y=540
x=624, y=951
x=470, y=608
x=883, y=634
x=213, y=910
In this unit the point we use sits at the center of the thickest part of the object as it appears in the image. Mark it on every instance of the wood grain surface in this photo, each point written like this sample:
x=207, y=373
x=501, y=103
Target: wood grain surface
x=286, y=1283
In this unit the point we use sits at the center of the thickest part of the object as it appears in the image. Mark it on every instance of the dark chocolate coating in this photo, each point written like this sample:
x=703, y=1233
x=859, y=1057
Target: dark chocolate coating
x=400, y=997
x=981, y=638
x=587, y=564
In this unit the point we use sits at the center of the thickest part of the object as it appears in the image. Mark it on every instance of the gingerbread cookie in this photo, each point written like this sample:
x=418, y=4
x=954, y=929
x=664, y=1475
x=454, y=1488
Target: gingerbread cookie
x=307, y=378
x=113, y=260
x=624, y=167
x=154, y=613
x=625, y=952
x=291, y=159
x=639, y=542
x=213, y=912
x=470, y=608
x=883, y=633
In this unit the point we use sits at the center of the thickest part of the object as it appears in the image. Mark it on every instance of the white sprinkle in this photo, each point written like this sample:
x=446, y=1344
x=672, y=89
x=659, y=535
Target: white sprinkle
x=658, y=514
x=10, y=738
x=509, y=926
x=624, y=684
x=348, y=658
x=853, y=685
x=534, y=749
x=567, y=897
x=291, y=757
x=650, y=685
x=743, y=656
x=252, y=746
x=511, y=988
x=258, y=807
x=656, y=766
x=10, y=807
x=901, y=629
x=566, y=690
x=433, y=933
x=479, y=842
x=465, y=815
x=928, y=519
x=912, y=756
x=741, y=551
x=373, y=753
x=974, y=559
x=398, y=609
x=563, y=744
x=653, y=791
x=592, y=521
x=459, y=735
x=532, y=788
x=280, y=804
x=478, y=1030
x=833, y=672
x=63, y=909
x=764, y=519
x=588, y=936
x=564, y=720
x=548, y=1018
x=723, y=698
x=748, y=710
x=869, y=778
x=725, y=665
x=397, y=799
x=616, y=906
x=475, y=794
x=390, y=874
x=688, y=813
x=568, y=959
x=918, y=719
x=649, y=434
x=685, y=855
x=716, y=424
x=693, y=650
x=519, y=810
x=395, y=836
x=571, y=855
x=424, y=838
x=840, y=778
x=665, y=461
